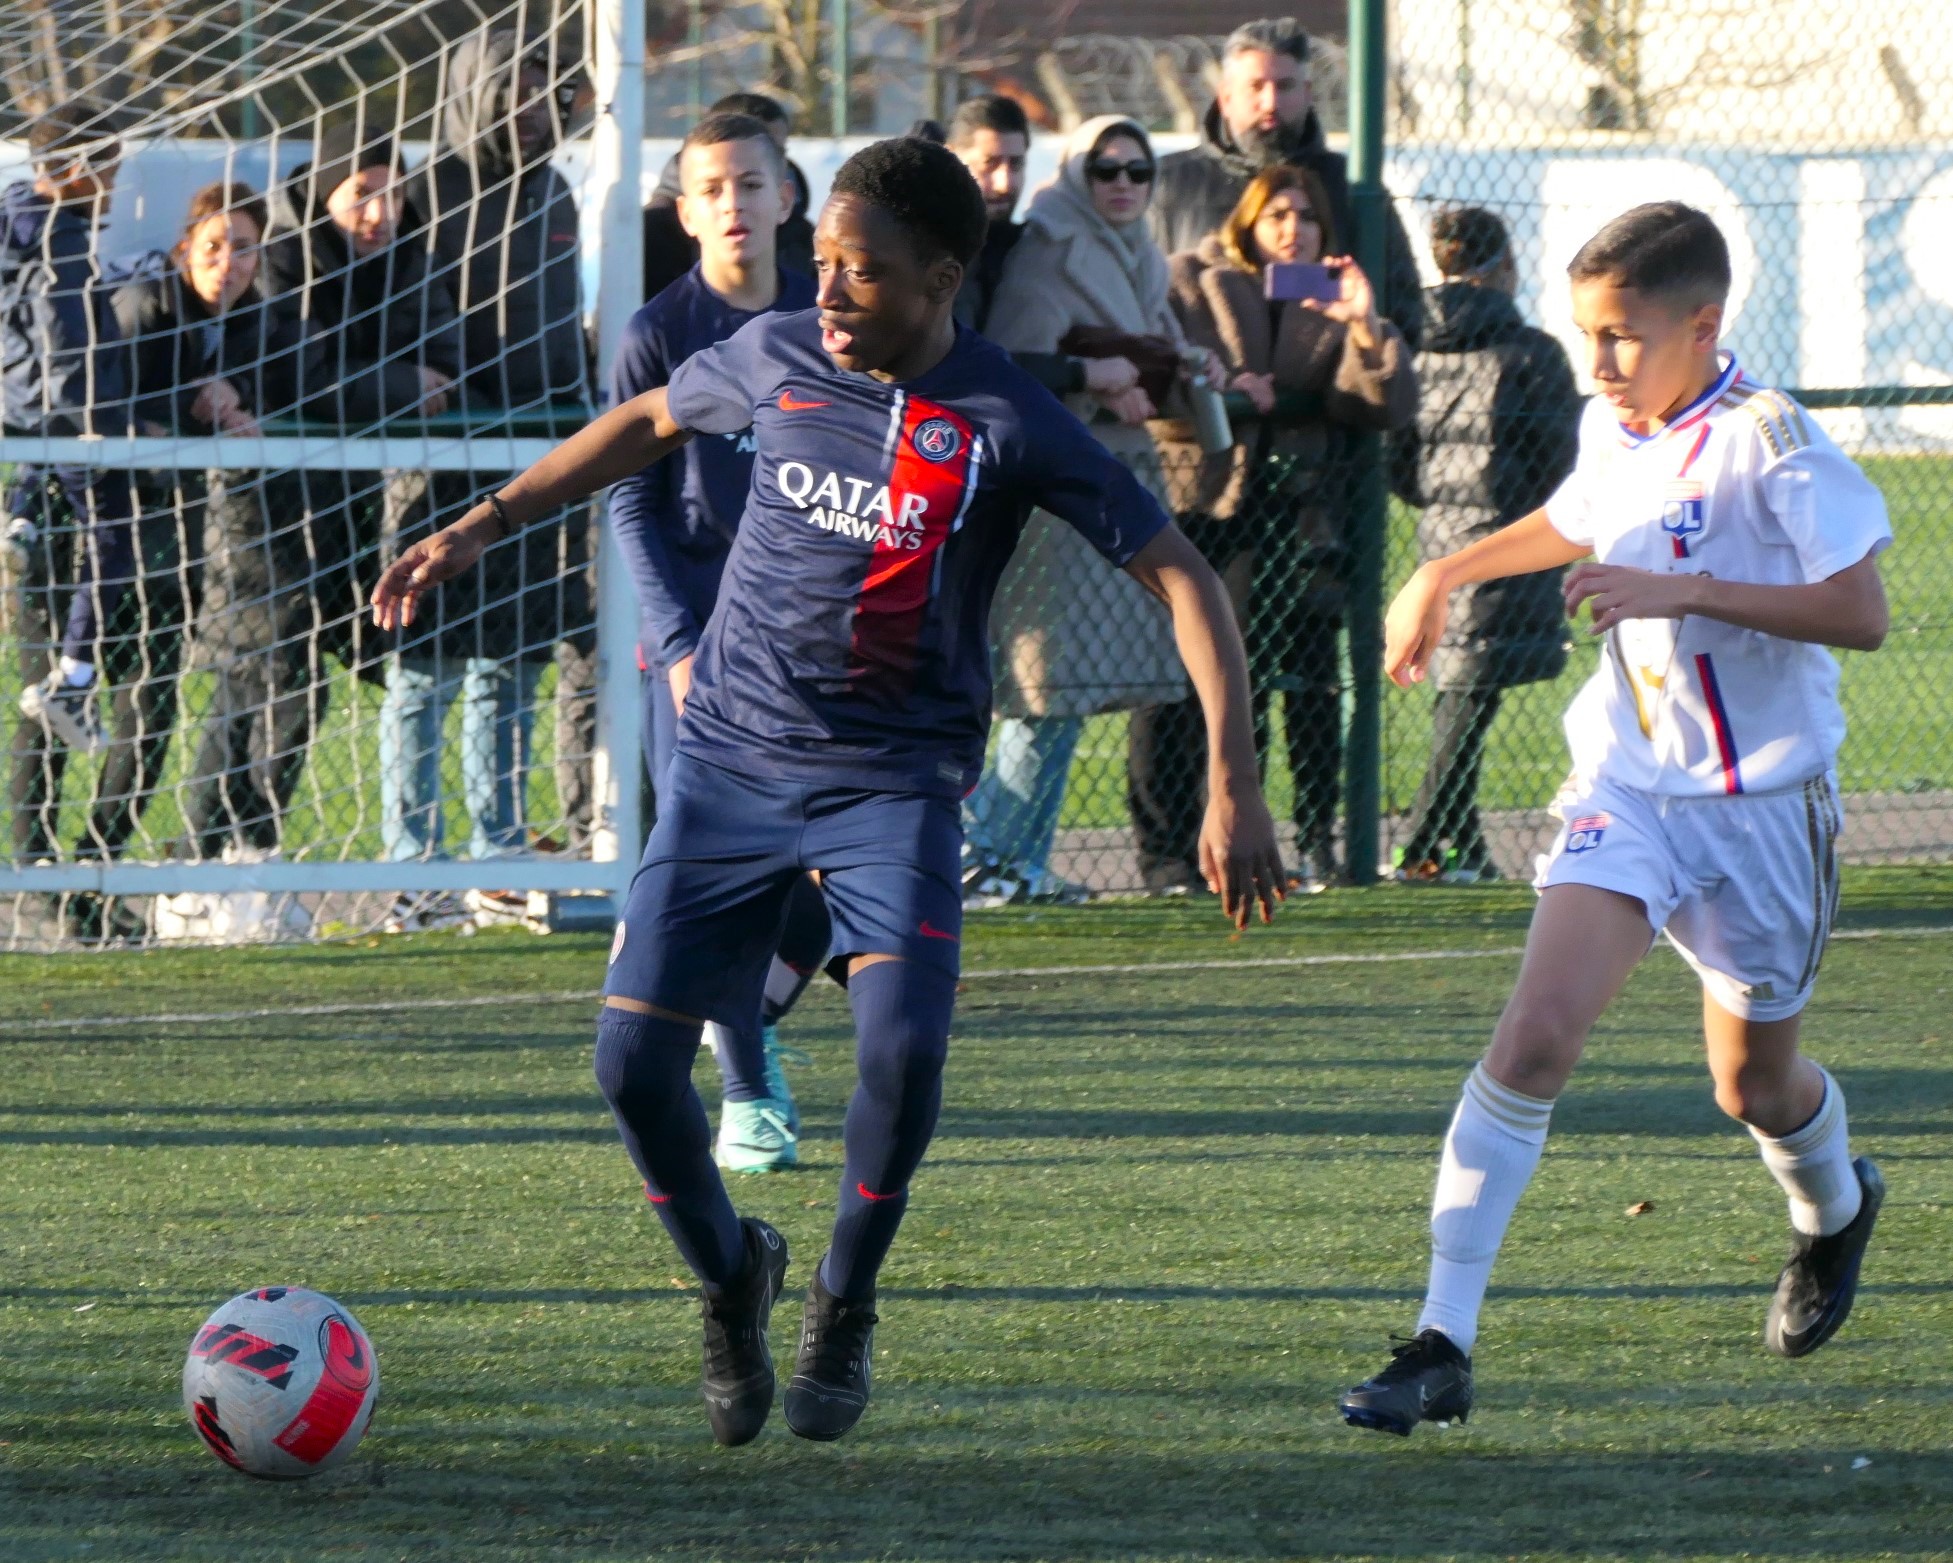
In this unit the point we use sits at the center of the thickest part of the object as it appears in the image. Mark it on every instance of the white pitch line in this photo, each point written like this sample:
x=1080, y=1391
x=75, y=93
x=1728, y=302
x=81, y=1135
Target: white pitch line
x=1123, y=969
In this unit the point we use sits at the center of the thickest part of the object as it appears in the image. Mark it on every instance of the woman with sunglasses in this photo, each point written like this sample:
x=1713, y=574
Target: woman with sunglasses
x=1073, y=636
x=1272, y=513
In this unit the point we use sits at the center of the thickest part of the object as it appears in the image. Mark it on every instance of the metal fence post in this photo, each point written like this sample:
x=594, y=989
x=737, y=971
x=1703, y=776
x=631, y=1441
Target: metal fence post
x=617, y=195
x=1363, y=757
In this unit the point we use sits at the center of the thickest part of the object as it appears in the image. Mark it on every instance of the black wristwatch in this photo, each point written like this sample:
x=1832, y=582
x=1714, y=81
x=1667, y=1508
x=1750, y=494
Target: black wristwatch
x=495, y=503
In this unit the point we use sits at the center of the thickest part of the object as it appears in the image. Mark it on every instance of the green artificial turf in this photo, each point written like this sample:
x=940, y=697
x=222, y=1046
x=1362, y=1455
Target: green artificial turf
x=1169, y=1215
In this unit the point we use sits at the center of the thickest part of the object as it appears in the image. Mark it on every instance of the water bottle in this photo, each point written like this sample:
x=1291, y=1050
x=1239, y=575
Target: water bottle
x=1211, y=427
x=21, y=535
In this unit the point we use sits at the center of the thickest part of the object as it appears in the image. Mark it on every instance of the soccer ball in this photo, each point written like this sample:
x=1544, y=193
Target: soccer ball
x=281, y=1383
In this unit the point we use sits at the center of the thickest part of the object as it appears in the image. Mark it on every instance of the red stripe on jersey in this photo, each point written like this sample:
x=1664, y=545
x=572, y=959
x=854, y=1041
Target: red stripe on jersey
x=1732, y=776
x=894, y=596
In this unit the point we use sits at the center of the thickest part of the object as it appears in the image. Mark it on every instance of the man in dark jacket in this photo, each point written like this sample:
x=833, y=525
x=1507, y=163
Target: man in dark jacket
x=1264, y=113
x=498, y=224
x=69, y=531
x=61, y=373
x=670, y=252
x=388, y=345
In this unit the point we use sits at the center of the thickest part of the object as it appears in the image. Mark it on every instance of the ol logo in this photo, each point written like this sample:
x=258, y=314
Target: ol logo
x=1683, y=515
x=936, y=439
x=1585, y=833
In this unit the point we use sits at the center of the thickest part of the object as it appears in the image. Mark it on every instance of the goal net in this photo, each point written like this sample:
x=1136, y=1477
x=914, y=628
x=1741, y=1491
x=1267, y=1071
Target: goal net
x=283, y=287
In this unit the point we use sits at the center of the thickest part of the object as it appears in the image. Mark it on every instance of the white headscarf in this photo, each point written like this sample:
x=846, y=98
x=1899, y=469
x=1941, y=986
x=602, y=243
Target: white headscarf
x=1063, y=210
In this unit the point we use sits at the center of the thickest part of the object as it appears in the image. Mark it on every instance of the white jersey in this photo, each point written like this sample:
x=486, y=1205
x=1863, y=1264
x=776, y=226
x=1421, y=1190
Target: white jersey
x=1742, y=486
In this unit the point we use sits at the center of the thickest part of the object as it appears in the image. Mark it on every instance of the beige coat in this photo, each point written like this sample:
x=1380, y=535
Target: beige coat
x=1222, y=307
x=1075, y=636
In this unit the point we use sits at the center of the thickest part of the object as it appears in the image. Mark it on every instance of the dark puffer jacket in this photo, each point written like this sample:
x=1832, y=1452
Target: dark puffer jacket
x=375, y=320
x=1495, y=435
x=271, y=549
x=60, y=372
x=500, y=235
x=1198, y=188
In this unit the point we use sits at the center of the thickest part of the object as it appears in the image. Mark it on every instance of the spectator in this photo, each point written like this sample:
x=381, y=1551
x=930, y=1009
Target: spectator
x=209, y=352
x=1497, y=433
x=670, y=252
x=1270, y=514
x=390, y=345
x=992, y=138
x=499, y=227
x=68, y=529
x=1263, y=113
x=1074, y=636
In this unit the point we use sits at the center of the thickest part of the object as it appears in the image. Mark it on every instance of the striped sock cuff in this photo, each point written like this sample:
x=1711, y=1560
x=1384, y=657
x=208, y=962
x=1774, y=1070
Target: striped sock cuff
x=1522, y=1116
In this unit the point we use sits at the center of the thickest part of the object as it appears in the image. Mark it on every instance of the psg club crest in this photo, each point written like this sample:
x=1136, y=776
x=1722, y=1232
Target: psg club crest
x=1683, y=515
x=936, y=439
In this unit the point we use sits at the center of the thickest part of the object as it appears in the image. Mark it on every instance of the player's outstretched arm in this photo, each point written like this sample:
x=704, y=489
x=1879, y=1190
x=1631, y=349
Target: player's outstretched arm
x=1239, y=857
x=624, y=440
x=1847, y=610
x=1415, y=622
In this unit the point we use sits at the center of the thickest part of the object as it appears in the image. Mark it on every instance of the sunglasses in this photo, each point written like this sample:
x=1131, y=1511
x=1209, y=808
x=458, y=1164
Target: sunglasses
x=1139, y=171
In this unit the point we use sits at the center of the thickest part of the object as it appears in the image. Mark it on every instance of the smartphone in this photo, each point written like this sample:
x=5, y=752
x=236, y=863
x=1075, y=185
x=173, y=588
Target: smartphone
x=1289, y=282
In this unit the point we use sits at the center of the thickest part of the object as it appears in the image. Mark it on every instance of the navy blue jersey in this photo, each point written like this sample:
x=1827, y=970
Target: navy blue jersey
x=850, y=643
x=675, y=520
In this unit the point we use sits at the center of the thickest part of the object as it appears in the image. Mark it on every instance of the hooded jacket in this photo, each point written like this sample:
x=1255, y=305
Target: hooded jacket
x=60, y=369
x=500, y=234
x=1496, y=433
x=1196, y=189
x=670, y=252
x=373, y=320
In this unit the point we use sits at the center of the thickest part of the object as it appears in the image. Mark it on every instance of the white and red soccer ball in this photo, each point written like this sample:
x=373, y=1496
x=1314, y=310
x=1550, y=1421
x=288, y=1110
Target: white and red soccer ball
x=281, y=1383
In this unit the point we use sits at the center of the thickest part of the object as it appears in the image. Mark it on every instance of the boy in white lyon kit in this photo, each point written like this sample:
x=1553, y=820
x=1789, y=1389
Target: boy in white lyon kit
x=1730, y=543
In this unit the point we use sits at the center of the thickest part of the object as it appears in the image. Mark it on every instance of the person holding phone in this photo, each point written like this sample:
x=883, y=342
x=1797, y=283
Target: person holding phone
x=1270, y=294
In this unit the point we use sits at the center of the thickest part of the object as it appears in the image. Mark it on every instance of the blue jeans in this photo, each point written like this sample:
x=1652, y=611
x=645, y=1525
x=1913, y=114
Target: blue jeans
x=1012, y=817
x=497, y=718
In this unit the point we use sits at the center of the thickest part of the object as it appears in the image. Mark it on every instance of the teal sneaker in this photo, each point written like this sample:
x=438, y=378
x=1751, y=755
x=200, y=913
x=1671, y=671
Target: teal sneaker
x=777, y=1056
x=756, y=1137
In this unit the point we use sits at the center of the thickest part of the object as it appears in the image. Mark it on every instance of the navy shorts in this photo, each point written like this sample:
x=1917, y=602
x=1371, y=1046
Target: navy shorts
x=705, y=910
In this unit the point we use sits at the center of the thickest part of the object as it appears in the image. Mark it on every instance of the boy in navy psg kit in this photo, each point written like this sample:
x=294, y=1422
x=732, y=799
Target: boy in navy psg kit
x=675, y=522
x=838, y=709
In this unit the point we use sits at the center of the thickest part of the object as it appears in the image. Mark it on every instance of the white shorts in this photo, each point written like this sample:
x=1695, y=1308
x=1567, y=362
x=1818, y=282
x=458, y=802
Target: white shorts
x=1744, y=887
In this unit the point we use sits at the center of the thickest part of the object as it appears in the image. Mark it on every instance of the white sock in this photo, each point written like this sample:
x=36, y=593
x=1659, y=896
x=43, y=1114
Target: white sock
x=1489, y=1155
x=1813, y=1166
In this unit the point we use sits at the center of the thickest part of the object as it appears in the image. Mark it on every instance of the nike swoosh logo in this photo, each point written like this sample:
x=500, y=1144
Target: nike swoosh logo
x=935, y=933
x=788, y=404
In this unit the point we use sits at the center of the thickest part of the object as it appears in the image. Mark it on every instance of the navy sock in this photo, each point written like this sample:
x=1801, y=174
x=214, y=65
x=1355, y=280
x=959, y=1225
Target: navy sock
x=804, y=938
x=741, y=1057
x=644, y=1069
x=901, y=1015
